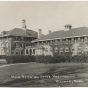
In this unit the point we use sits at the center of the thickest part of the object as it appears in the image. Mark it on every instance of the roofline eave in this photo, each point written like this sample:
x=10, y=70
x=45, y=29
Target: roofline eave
x=59, y=38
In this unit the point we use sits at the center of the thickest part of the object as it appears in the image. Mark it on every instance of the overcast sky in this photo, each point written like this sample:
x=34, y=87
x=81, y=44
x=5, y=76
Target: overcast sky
x=43, y=15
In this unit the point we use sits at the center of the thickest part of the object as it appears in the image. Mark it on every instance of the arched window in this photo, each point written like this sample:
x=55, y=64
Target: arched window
x=66, y=49
x=61, y=49
x=17, y=52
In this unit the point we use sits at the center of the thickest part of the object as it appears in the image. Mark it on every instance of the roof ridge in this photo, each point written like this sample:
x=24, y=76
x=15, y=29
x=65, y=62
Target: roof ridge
x=80, y=27
x=11, y=31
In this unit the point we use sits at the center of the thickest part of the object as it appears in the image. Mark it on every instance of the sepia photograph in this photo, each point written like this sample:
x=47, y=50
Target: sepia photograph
x=43, y=43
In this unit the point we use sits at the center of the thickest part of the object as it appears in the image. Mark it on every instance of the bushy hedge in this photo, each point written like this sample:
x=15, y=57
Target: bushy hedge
x=46, y=59
x=52, y=59
x=79, y=58
x=61, y=58
x=20, y=59
x=2, y=56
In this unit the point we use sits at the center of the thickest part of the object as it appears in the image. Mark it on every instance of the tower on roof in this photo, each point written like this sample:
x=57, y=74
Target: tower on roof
x=67, y=27
x=24, y=24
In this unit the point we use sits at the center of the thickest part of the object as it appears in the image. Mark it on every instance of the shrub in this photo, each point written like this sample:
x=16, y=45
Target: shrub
x=20, y=59
x=46, y=59
x=61, y=58
x=2, y=56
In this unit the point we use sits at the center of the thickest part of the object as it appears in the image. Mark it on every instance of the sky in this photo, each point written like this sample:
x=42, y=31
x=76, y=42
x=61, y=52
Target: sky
x=45, y=15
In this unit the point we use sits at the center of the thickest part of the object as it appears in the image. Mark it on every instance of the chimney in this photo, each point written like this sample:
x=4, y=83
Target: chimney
x=40, y=33
x=67, y=27
x=24, y=24
x=49, y=31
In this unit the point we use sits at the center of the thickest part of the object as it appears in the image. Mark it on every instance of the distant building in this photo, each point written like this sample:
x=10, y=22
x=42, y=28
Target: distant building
x=13, y=42
x=70, y=41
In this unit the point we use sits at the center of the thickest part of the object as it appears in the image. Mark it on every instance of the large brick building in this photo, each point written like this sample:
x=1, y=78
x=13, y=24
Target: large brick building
x=23, y=41
x=13, y=42
x=71, y=41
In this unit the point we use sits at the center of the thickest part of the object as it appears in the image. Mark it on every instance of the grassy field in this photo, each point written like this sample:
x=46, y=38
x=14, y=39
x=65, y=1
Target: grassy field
x=44, y=75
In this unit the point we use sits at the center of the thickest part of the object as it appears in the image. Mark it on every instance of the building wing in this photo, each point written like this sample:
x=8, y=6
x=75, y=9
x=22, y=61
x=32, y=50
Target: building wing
x=74, y=32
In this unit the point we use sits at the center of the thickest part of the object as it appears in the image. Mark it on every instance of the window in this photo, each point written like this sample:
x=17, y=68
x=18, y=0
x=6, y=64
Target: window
x=30, y=51
x=66, y=41
x=79, y=49
x=72, y=49
x=7, y=52
x=36, y=51
x=85, y=38
x=86, y=48
x=27, y=51
x=66, y=49
x=61, y=49
x=50, y=49
x=15, y=38
x=16, y=44
x=26, y=44
x=51, y=42
x=22, y=52
x=6, y=44
x=22, y=38
x=72, y=40
x=56, y=49
x=61, y=41
x=82, y=39
x=78, y=39
x=22, y=45
x=46, y=49
x=33, y=51
x=17, y=53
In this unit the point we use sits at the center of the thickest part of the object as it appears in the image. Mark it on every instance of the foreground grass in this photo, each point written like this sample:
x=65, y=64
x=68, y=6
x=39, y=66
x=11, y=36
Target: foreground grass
x=48, y=75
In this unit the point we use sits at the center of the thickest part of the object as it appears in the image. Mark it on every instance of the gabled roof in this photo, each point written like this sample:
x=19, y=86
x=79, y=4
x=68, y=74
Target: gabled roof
x=74, y=32
x=20, y=32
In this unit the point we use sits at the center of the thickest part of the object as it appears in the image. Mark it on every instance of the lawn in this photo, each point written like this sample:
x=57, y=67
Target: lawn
x=44, y=75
